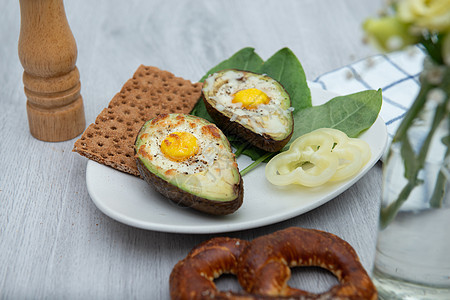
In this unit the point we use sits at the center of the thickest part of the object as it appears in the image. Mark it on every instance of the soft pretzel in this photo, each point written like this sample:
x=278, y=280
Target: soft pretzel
x=193, y=277
x=264, y=266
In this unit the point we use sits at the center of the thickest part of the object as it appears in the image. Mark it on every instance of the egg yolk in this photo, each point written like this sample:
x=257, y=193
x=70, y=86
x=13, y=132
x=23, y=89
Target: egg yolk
x=251, y=98
x=179, y=146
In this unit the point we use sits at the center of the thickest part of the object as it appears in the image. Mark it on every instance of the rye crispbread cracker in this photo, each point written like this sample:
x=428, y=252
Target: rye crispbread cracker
x=151, y=91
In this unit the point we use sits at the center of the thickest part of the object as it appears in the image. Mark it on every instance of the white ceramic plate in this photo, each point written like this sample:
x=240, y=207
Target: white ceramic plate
x=130, y=200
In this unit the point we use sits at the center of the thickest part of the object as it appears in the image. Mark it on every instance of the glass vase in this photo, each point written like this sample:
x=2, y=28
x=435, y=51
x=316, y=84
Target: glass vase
x=413, y=246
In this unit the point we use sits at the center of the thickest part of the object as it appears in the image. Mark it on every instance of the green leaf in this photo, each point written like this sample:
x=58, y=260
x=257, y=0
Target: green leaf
x=351, y=114
x=245, y=59
x=267, y=156
x=199, y=110
x=253, y=152
x=285, y=68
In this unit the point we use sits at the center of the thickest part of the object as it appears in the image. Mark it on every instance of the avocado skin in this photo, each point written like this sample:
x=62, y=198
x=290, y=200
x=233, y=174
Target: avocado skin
x=178, y=195
x=263, y=142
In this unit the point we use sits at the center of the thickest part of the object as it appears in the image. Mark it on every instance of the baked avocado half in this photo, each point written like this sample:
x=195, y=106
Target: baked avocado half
x=189, y=160
x=254, y=107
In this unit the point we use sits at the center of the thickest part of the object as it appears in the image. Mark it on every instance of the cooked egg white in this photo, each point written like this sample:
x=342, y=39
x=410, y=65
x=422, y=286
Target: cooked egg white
x=189, y=152
x=255, y=101
x=182, y=146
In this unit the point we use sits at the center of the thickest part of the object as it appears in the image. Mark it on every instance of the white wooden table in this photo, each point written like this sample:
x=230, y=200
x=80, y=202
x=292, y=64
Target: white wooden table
x=54, y=242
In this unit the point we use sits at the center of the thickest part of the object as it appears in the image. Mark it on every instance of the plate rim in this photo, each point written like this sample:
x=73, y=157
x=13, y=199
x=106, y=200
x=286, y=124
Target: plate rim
x=230, y=227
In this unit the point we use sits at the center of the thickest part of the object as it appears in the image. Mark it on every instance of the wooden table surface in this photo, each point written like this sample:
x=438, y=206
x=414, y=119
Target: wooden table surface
x=54, y=242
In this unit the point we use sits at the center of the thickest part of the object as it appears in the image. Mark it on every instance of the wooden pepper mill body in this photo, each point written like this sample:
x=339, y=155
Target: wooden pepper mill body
x=48, y=53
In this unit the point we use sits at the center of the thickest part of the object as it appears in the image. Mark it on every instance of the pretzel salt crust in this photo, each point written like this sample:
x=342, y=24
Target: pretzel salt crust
x=264, y=266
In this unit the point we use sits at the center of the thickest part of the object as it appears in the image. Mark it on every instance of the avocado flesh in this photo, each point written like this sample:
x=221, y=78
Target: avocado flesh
x=216, y=190
x=179, y=196
x=261, y=141
x=260, y=131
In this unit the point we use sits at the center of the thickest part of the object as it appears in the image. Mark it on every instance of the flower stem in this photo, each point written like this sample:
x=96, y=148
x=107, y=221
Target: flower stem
x=437, y=197
x=415, y=163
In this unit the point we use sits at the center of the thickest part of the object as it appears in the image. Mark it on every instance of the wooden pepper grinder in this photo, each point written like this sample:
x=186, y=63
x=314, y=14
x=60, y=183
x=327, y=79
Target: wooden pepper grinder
x=48, y=53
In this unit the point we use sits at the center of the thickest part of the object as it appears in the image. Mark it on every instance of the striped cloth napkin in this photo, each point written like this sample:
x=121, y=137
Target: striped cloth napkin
x=396, y=73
